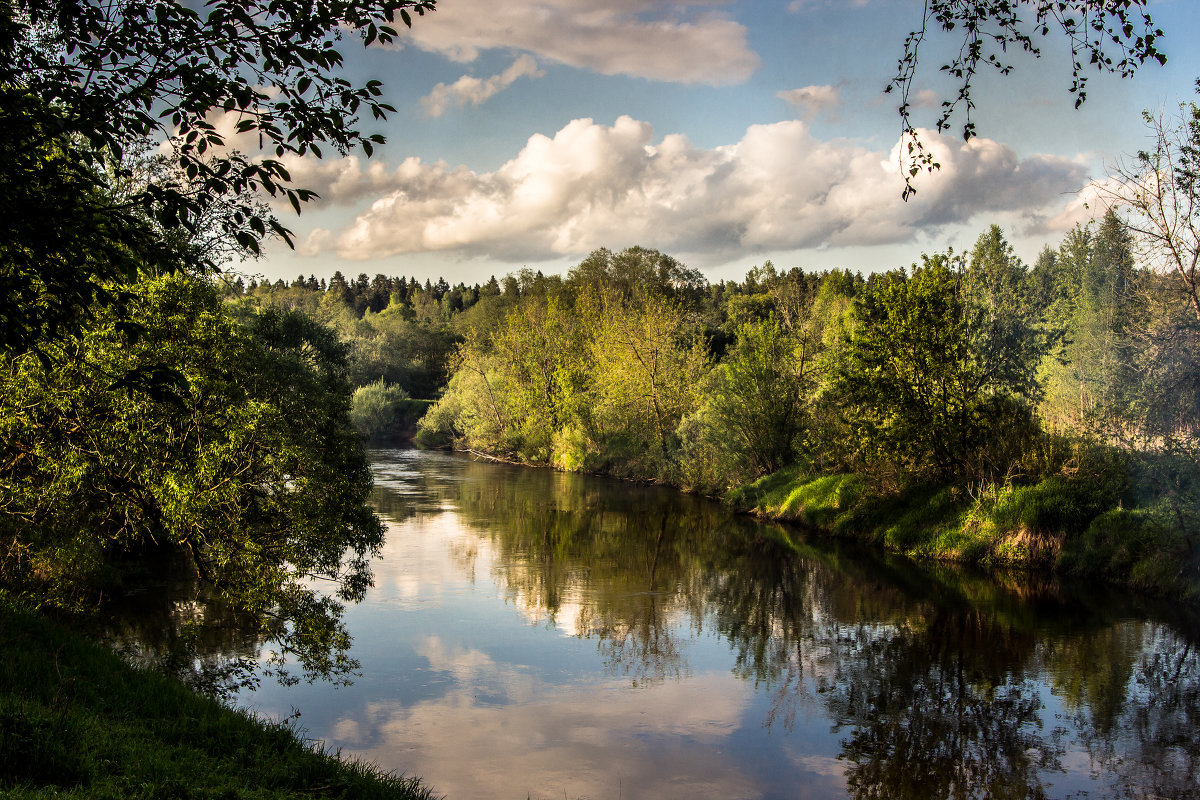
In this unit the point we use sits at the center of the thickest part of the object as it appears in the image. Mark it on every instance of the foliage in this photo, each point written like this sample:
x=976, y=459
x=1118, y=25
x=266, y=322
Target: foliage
x=757, y=399
x=647, y=365
x=381, y=411
x=637, y=269
x=396, y=330
x=248, y=464
x=1091, y=298
x=939, y=369
x=971, y=410
x=56, y=224
x=595, y=372
x=1115, y=36
x=84, y=83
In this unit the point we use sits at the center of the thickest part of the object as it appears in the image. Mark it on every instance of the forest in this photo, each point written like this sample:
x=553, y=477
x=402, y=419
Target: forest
x=969, y=407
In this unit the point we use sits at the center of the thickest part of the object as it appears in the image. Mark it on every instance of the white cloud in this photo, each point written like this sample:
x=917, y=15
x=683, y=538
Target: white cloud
x=469, y=90
x=593, y=185
x=926, y=98
x=1089, y=203
x=812, y=99
x=800, y=6
x=548, y=741
x=318, y=240
x=681, y=42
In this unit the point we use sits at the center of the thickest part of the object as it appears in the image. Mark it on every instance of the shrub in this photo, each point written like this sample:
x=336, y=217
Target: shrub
x=381, y=411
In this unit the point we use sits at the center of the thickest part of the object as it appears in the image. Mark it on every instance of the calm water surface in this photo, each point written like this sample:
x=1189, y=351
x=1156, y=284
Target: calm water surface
x=534, y=634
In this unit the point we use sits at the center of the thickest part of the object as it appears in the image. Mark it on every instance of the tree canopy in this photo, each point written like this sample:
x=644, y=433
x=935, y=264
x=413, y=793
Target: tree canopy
x=249, y=469
x=84, y=82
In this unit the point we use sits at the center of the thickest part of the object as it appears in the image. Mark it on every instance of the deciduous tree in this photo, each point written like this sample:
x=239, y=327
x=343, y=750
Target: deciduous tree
x=248, y=467
x=1114, y=36
x=82, y=81
x=933, y=373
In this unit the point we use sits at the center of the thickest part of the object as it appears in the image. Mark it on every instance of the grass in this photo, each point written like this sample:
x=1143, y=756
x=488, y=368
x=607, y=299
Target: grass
x=1081, y=526
x=77, y=721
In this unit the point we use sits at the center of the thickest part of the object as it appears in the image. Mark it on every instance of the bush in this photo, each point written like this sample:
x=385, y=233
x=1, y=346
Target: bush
x=381, y=411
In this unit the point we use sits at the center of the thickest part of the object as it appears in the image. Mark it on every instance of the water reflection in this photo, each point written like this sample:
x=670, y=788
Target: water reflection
x=936, y=683
x=539, y=634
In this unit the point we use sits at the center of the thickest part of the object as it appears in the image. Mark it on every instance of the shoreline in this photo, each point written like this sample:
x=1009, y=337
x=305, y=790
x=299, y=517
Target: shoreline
x=1006, y=528
x=93, y=725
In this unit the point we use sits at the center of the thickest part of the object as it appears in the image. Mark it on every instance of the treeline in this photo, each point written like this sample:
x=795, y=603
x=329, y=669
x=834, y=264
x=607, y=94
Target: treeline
x=1017, y=414
x=400, y=336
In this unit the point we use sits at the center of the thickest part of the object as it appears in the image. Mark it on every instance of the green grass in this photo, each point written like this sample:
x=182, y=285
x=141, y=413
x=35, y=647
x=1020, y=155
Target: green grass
x=1077, y=526
x=78, y=721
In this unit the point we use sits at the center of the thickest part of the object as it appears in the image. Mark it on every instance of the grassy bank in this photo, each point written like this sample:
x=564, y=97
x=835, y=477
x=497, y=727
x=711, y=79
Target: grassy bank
x=1076, y=526
x=77, y=721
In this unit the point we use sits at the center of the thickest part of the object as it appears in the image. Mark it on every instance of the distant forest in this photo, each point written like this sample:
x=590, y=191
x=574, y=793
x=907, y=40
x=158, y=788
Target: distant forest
x=1025, y=404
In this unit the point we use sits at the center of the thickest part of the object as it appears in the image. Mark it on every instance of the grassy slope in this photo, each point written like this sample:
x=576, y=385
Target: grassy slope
x=77, y=721
x=1061, y=525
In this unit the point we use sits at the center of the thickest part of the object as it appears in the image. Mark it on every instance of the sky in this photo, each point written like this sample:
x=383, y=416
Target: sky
x=528, y=133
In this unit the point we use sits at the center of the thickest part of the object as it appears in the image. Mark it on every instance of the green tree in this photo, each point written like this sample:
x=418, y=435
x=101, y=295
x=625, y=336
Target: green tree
x=248, y=467
x=84, y=82
x=378, y=410
x=1107, y=316
x=758, y=400
x=637, y=268
x=541, y=350
x=648, y=362
x=1006, y=324
x=932, y=376
x=64, y=245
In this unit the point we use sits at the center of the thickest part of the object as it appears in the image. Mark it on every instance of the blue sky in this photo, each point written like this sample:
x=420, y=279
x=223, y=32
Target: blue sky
x=529, y=133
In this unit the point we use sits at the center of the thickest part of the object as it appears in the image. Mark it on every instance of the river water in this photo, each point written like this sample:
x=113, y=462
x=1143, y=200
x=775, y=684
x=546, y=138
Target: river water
x=533, y=634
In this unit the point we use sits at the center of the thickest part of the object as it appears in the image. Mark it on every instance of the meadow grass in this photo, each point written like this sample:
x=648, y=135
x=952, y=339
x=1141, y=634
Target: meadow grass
x=1078, y=526
x=78, y=721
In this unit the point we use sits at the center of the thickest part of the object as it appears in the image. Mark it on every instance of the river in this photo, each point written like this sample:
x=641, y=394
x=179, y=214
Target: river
x=533, y=634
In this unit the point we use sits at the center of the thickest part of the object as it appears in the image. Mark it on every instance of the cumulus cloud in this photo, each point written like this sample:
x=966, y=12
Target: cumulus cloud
x=593, y=185
x=812, y=99
x=681, y=42
x=317, y=241
x=469, y=90
x=800, y=6
x=1089, y=203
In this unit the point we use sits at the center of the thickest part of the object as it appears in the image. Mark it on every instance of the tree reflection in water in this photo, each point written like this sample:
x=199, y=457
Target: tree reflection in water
x=936, y=683
x=1135, y=702
x=941, y=684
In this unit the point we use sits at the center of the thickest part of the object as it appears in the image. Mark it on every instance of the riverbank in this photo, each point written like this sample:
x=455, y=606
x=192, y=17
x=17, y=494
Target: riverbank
x=1076, y=526
x=78, y=721
x=1112, y=517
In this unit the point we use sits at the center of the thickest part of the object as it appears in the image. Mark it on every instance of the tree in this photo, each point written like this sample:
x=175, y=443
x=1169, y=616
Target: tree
x=83, y=81
x=1159, y=191
x=1005, y=324
x=541, y=352
x=637, y=268
x=248, y=468
x=516, y=386
x=933, y=376
x=1160, y=187
x=377, y=410
x=1115, y=36
x=648, y=362
x=758, y=401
